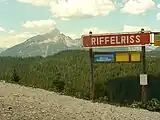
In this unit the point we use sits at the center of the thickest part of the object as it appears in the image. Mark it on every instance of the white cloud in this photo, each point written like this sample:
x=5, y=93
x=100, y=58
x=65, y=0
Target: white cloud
x=85, y=31
x=11, y=40
x=11, y=37
x=2, y=29
x=68, y=9
x=3, y=1
x=42, y=25
x=81, y=8
x=94, y=30
x=158, y=16
x=36, y=2
x=128, y=28
x=137, y=6
x=11, y=32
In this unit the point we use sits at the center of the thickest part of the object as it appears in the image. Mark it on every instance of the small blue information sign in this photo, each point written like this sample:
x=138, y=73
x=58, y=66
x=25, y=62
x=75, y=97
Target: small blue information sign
x=104, y=57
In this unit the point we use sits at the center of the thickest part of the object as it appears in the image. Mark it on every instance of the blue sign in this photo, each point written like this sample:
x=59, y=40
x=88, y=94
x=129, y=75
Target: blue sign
x=104, y=58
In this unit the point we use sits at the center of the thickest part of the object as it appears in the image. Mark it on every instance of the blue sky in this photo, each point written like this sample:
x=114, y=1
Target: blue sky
x=21, y=19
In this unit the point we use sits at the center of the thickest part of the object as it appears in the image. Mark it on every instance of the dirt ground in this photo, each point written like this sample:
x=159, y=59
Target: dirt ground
x=24, y=103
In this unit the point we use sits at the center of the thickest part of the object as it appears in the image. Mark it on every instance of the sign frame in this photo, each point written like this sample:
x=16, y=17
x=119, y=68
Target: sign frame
x=114, y=53
x=129, y=52
x=143, y=60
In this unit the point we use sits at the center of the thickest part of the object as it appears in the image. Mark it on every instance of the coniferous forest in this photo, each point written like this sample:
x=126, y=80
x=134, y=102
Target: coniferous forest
x=68, y=72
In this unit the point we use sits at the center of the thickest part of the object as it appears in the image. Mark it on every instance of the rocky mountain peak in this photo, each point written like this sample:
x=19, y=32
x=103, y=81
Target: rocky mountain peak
x=54, y=36
x=53, y=32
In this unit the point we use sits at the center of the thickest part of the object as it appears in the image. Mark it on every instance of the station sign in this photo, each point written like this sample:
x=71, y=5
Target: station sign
x=115, y=40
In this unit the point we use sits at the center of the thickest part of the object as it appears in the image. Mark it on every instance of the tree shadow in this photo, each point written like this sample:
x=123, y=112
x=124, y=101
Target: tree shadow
x=127, y=89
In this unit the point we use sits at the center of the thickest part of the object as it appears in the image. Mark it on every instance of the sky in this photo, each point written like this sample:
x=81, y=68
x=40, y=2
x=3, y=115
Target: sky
x=22, y=19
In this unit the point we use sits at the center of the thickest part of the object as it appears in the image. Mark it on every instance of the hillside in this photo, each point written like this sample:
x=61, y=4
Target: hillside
x=2, y=49
x=69, y=72
x=19, y=102
x=155, y=52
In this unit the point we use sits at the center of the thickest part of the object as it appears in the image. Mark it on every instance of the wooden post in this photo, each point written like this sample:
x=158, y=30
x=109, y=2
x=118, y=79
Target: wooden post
x=144, y=70
x=91, y=72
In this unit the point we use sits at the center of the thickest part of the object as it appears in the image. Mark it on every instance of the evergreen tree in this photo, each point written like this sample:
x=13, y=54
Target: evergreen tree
x=58, y=83
x=15, y=77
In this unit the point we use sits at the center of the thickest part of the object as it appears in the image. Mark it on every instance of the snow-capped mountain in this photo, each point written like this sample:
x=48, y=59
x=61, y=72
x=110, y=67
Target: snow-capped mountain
x=42, y=45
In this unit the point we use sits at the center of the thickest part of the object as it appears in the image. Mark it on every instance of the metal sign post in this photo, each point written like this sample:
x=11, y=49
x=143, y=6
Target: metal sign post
x=91, y=70
x=143, y=87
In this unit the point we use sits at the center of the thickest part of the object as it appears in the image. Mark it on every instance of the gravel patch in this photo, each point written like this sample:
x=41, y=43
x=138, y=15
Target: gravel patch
x=25, y=103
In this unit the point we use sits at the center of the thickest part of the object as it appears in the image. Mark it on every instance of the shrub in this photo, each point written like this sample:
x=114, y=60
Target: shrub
x=59, y=85
x=152, y=105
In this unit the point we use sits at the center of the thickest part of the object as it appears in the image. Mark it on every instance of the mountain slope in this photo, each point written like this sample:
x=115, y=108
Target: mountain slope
x=155, y=52
x=2, y=49
x=157, y=49
x=42, y=45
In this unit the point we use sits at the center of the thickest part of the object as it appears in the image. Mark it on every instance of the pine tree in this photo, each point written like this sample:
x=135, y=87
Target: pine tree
x=15, y=77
